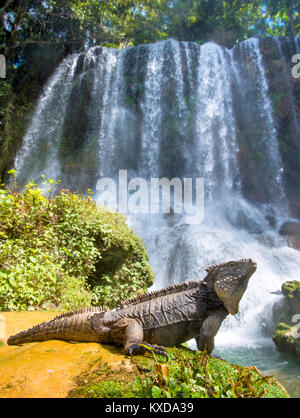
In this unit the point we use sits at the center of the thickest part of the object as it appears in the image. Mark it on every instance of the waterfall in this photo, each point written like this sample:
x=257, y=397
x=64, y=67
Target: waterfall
x=151, y=108
x=178, y=109
x=272, y=149
x=215, y=124
x=40, y=144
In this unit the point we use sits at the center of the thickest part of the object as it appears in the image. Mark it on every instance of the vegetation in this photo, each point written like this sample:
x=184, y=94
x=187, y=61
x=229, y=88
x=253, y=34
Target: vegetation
x=63, y=252
x=284, y=17
x=188, y=374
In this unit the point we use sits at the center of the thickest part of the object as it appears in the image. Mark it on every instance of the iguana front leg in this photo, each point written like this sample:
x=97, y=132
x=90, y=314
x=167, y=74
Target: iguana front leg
x=133, y=337
x=208, y=331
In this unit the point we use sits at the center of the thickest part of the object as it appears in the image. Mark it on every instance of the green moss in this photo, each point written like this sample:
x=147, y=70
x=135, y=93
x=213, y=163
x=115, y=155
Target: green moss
x=291, y=289
x=282, y=328
x=65, y=252
x=190, y=375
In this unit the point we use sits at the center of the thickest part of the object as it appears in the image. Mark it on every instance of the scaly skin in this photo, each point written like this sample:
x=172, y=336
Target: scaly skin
x=167, y=317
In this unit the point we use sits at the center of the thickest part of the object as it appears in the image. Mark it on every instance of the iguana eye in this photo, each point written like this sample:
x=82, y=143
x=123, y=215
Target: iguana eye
x=231, y=265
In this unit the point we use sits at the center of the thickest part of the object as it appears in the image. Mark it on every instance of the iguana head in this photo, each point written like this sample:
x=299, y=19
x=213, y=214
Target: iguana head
x=230, y=281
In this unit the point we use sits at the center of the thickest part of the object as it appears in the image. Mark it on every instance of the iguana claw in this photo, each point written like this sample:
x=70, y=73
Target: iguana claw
x=132, y=348
x=156, y=349
x=161, y=351
x=152, y=348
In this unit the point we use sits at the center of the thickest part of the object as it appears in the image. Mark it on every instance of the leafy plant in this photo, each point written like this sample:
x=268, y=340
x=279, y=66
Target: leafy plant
x=64, y=252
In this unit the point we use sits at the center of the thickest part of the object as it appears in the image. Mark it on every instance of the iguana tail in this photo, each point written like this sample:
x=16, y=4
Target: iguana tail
x=70, y=326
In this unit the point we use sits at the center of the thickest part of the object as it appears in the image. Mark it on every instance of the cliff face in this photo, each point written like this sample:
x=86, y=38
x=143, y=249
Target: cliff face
x=285, y=93
x=19, y=92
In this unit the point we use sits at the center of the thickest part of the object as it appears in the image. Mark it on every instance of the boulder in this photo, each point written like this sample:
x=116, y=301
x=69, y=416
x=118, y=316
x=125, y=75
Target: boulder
x=291, y=230
x=291, y=292
x=287, y=339
x=287, y=311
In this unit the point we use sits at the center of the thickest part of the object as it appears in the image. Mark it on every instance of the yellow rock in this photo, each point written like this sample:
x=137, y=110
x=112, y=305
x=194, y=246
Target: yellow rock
x=46, y=369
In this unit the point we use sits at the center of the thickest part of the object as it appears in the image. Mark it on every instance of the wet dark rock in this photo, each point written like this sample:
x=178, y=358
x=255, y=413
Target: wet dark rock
x=291, y=230
x=244, y=222
x=272, y=221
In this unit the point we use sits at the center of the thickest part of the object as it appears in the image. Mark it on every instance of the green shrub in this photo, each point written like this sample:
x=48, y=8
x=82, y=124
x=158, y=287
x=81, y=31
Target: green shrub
x=65, y=252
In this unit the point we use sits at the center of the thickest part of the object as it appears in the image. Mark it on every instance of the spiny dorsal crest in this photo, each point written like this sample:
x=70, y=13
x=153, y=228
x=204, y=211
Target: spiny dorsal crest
x=93, y=309
x=158, y=293
x=211, y=268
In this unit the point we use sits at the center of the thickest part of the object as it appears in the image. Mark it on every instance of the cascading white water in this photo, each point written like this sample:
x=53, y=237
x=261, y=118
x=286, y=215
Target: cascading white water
x=102, y=97
x=151, y=108
x=253, y=55
x=185, y=110
x=215, y=124
x=45, y=129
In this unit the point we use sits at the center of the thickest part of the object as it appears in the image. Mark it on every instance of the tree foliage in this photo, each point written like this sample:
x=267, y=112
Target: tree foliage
x=283, y=17
x=125, y=22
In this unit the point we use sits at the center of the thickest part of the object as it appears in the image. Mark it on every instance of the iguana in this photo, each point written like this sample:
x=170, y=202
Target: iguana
x=166, y=317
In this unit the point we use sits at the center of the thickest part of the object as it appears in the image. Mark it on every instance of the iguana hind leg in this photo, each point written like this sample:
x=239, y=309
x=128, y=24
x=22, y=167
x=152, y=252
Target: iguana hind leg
x=132, y=333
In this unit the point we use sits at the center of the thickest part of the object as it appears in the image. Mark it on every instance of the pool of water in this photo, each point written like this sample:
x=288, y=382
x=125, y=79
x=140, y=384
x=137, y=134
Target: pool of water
x=267, y=359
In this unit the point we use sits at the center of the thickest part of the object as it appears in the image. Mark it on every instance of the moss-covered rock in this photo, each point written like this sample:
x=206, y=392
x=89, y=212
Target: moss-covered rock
x=286, y=337
x=188, y=374
x=289, y=305
x=291, y=291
